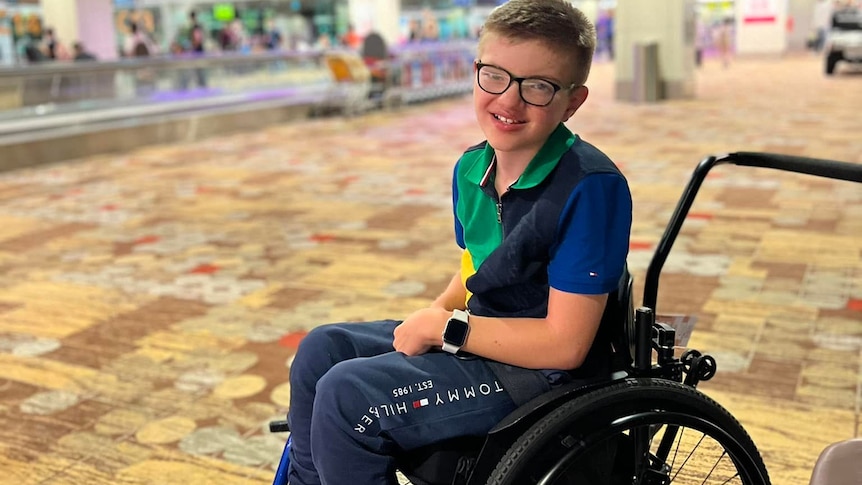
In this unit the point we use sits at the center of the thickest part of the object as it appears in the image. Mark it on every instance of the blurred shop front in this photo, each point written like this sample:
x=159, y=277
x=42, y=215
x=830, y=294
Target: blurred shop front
x=442, y=20
x=447, y=20
x=295, y=24
x=21, y=25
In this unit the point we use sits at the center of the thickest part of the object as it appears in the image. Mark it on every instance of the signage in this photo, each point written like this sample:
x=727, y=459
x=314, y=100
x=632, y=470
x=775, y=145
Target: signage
x=759, y=11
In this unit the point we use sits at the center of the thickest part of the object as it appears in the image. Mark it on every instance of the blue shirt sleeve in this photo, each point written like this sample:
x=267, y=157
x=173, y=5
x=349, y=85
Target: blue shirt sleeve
x=593, y=236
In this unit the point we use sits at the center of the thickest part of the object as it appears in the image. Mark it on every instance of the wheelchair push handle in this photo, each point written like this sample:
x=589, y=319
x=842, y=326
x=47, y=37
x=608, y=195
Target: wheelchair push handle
x=850, y=172
x=833, y=169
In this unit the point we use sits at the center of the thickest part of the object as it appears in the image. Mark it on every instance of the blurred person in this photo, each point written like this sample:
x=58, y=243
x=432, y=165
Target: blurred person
x=196, y=37
x=34, y=54
x=605, y=34
x=610, y=34
x=233, y=37
x=176, y=49
x=601, y=33
x=272, y=36
x=196, y=41
x=138, y=43
x=351, y=38
x=183, y=77
x=238, y=35
x=723, y=40
x=323, y=42
x=81, y=53
x=415, y=34
x=50, y=44
x=225, y=43
x=822, y=22
x=53, y=49
x=702, y=41
x=430, y=27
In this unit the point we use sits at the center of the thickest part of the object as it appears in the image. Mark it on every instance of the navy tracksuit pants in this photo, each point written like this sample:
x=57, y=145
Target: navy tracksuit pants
x=354, y=401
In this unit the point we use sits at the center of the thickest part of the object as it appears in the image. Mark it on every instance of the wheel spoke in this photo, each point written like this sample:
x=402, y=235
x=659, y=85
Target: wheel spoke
x=722, y=457
x=713, y=468
x=676, y=450
x=721, y=467
x=688, y=457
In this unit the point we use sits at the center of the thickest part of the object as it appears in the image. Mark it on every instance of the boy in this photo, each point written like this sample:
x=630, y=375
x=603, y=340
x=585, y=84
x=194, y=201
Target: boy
x=544, y=220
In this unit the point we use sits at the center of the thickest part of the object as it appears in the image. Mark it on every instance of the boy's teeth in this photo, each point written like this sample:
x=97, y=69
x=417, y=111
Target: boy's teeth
x=504, y=120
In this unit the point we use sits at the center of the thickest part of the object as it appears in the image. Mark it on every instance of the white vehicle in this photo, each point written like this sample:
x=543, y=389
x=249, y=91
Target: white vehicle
x=845, y=38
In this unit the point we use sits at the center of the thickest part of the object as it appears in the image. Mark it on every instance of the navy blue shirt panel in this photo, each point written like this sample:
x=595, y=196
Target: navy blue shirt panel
x=580, y=213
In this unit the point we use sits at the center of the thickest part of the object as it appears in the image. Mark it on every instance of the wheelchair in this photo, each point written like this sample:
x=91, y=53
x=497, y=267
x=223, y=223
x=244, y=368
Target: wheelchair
x=645, y=425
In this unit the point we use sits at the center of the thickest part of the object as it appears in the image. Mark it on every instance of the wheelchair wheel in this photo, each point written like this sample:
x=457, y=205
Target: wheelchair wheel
x=637, y=431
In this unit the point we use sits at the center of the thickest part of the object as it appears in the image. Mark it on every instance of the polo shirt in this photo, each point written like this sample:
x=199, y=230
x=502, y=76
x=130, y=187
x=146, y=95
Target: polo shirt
x=565, y=223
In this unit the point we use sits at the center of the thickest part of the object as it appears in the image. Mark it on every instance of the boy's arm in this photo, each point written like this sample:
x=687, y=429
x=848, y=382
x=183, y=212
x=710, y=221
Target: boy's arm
x=559, y=341
x=454, y=296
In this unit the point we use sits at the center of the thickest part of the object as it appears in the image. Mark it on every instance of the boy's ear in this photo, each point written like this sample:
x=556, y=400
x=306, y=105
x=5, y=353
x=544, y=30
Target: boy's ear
x=576, y=99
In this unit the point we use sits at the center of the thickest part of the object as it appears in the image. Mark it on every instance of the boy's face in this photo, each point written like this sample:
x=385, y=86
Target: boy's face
x=508, y=122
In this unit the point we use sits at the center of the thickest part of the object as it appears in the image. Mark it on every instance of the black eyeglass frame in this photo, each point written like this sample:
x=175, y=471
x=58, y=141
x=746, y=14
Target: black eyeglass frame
x=479, y=65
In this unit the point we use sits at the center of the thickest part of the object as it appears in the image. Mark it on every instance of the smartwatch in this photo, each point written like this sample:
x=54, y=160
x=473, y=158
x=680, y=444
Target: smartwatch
x=455, y=333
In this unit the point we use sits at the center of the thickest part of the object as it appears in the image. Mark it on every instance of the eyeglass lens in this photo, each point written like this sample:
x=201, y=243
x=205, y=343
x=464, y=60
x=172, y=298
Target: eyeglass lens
x=533, y=90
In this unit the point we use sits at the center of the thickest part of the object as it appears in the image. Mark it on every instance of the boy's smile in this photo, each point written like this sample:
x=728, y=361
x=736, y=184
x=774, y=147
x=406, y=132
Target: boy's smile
x=514, y=128
x=507, y=121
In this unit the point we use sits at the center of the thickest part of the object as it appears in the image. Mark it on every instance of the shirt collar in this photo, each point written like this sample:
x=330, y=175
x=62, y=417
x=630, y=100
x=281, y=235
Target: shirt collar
x=540, y=166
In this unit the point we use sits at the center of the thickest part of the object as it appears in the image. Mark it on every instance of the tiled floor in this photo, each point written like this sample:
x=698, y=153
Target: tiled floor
x=151, y=301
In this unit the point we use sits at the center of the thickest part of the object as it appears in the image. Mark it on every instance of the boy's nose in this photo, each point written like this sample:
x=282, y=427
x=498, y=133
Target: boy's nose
x=512, y=96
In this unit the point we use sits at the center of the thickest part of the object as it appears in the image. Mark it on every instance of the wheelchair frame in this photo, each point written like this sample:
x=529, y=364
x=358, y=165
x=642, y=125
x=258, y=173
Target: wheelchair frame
x=636, y=335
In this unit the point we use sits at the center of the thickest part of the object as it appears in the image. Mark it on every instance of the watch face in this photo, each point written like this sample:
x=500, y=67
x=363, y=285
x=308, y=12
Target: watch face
x=456, y=332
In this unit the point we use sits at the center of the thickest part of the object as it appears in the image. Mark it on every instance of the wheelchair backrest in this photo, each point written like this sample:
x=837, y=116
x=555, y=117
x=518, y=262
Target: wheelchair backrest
x=618, y=323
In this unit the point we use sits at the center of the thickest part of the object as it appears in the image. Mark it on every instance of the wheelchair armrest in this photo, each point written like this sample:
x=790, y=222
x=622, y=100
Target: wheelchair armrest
x=280, y=426
x=530, y=412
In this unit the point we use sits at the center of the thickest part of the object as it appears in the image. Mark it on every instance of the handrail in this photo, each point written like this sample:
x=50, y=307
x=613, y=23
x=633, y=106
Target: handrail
x=192, y=61
x=28, y=127
x=184, y=61
x=850, y=172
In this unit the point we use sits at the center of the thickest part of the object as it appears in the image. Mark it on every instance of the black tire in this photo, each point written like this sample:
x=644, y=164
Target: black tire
x=590, y=440
x=831, y=61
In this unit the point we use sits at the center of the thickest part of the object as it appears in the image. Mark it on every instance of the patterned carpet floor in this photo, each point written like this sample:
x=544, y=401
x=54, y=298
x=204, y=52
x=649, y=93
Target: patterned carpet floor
x=150, y=302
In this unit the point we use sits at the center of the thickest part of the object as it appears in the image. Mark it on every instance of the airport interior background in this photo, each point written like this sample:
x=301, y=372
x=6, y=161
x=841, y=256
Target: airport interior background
x=174, y=218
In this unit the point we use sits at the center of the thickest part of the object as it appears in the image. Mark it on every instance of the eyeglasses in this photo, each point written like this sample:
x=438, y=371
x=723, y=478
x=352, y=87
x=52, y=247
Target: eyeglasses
x=533, y=90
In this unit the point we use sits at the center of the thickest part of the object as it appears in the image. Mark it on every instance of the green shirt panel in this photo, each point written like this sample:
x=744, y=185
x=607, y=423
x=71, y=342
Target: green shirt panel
x=477, y=211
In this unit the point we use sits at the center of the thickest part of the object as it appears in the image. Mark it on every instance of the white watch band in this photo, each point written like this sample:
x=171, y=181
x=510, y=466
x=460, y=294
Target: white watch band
x=461, y=315
x=452, y=349
x=457, y=315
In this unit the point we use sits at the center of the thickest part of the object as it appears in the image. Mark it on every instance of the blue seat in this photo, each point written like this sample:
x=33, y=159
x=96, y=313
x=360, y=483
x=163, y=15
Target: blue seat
x=283, y=465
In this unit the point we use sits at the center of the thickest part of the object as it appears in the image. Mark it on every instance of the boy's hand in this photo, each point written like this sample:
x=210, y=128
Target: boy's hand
x=421, y=330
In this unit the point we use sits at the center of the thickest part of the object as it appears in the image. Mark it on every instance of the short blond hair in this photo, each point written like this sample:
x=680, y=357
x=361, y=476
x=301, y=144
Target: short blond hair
x=555, y=23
